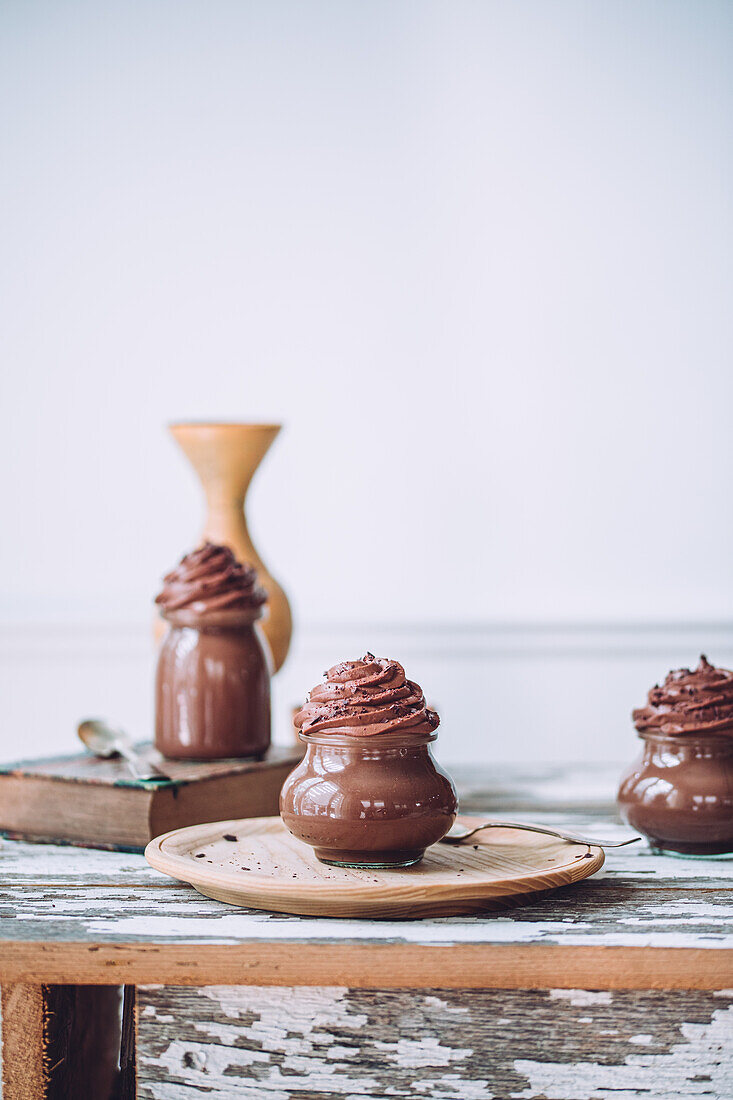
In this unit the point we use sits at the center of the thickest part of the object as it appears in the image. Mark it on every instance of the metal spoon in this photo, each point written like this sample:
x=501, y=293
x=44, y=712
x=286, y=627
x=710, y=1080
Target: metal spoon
x=458, y=833
x=104, y=740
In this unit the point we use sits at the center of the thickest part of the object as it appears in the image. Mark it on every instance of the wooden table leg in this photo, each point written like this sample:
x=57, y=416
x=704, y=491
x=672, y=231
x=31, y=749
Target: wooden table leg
x=23, y=1046
x=59, y=1041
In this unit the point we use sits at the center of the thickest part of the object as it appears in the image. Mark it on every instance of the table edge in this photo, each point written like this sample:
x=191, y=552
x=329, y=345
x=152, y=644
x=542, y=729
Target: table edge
x=369, y=966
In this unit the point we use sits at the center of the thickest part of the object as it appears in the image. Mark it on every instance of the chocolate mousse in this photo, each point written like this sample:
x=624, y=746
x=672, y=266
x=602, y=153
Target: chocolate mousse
x=210, y=579
x=680, y=793
x=690, y=702
x=213, y=678
x=365, y=698
x=368, y=792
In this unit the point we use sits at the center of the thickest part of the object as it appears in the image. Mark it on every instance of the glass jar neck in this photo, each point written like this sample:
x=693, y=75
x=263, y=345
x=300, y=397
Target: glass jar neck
x=690, y=744
x=368, y=743
x=231, y=619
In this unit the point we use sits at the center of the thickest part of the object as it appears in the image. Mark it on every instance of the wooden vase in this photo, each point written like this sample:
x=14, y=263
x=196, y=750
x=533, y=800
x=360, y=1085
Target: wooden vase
x=225, y=457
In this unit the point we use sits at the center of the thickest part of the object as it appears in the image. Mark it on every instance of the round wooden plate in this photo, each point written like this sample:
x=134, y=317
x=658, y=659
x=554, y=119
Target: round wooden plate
x=257, y=863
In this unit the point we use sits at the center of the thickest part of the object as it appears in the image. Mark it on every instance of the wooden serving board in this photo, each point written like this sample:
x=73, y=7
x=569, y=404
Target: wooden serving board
x=256, y=862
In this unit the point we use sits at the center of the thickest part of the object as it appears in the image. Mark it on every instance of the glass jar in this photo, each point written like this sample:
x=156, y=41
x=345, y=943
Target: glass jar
x=679, y=794
x=375, y=801
x=212, y=686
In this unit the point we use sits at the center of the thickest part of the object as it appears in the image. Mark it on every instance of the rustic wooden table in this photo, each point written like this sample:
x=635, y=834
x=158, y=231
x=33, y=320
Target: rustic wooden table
x=619, y=987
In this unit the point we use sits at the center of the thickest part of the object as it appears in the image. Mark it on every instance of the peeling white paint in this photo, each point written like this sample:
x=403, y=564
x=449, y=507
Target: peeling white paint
x=63, y=863
x=212, y=1029
x=420, y=1053
x=305, y=1010
x=581, y=998
x=337, y=1053
x=445, y=1006
x=705, y=1053
x=677, y=912
x=208, y=1058
x=272, y=1021
x=149, y=1010
x=328, y=1042
x=297, y=1026
x=233, y=926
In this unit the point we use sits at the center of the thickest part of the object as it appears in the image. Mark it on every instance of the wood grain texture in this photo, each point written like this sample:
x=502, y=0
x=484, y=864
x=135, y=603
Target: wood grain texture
x=374, y=965
x=23, y=1046
x=59, y=1041
x=317, y=1043
x=258, y=863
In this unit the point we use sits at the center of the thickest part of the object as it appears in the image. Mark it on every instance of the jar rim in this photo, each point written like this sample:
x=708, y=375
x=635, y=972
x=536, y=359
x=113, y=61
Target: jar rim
x=367, y=741
x=224, y=619
x=722, y=737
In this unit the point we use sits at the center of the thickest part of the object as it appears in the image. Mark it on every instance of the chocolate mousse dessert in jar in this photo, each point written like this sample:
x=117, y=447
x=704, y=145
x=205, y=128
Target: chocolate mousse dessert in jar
x=679, y=793
x=368, y=792
x=213, y=678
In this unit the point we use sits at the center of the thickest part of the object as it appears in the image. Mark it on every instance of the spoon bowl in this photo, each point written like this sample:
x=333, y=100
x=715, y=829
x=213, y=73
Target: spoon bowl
x=101, y=738
x=105, y=740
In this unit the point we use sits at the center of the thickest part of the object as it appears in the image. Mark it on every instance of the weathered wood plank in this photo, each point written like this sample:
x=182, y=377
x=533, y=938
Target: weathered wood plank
x=63, y=864
x=59, y=1041
x=374, y=965
x=316, y=1043
x=606, y=912
x=23, y=1048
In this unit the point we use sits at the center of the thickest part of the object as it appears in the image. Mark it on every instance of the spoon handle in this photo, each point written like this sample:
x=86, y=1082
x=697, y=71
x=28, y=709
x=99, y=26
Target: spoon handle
x=594, y=841
x=139, y=767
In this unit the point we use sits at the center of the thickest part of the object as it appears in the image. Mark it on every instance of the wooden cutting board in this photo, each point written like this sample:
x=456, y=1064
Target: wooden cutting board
x=255, y=862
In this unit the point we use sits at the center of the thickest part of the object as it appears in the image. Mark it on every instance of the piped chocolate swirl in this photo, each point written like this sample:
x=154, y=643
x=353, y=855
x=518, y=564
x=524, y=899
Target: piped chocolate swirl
x=211, y=579
x=364, y=698
x=690, y=702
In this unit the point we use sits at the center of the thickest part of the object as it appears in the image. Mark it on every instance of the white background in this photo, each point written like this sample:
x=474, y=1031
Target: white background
x=475, y=256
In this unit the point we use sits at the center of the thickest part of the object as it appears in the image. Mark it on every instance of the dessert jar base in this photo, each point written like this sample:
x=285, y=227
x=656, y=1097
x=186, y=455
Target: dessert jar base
x=656, y=850
x=365, y=842
x=370, y=861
